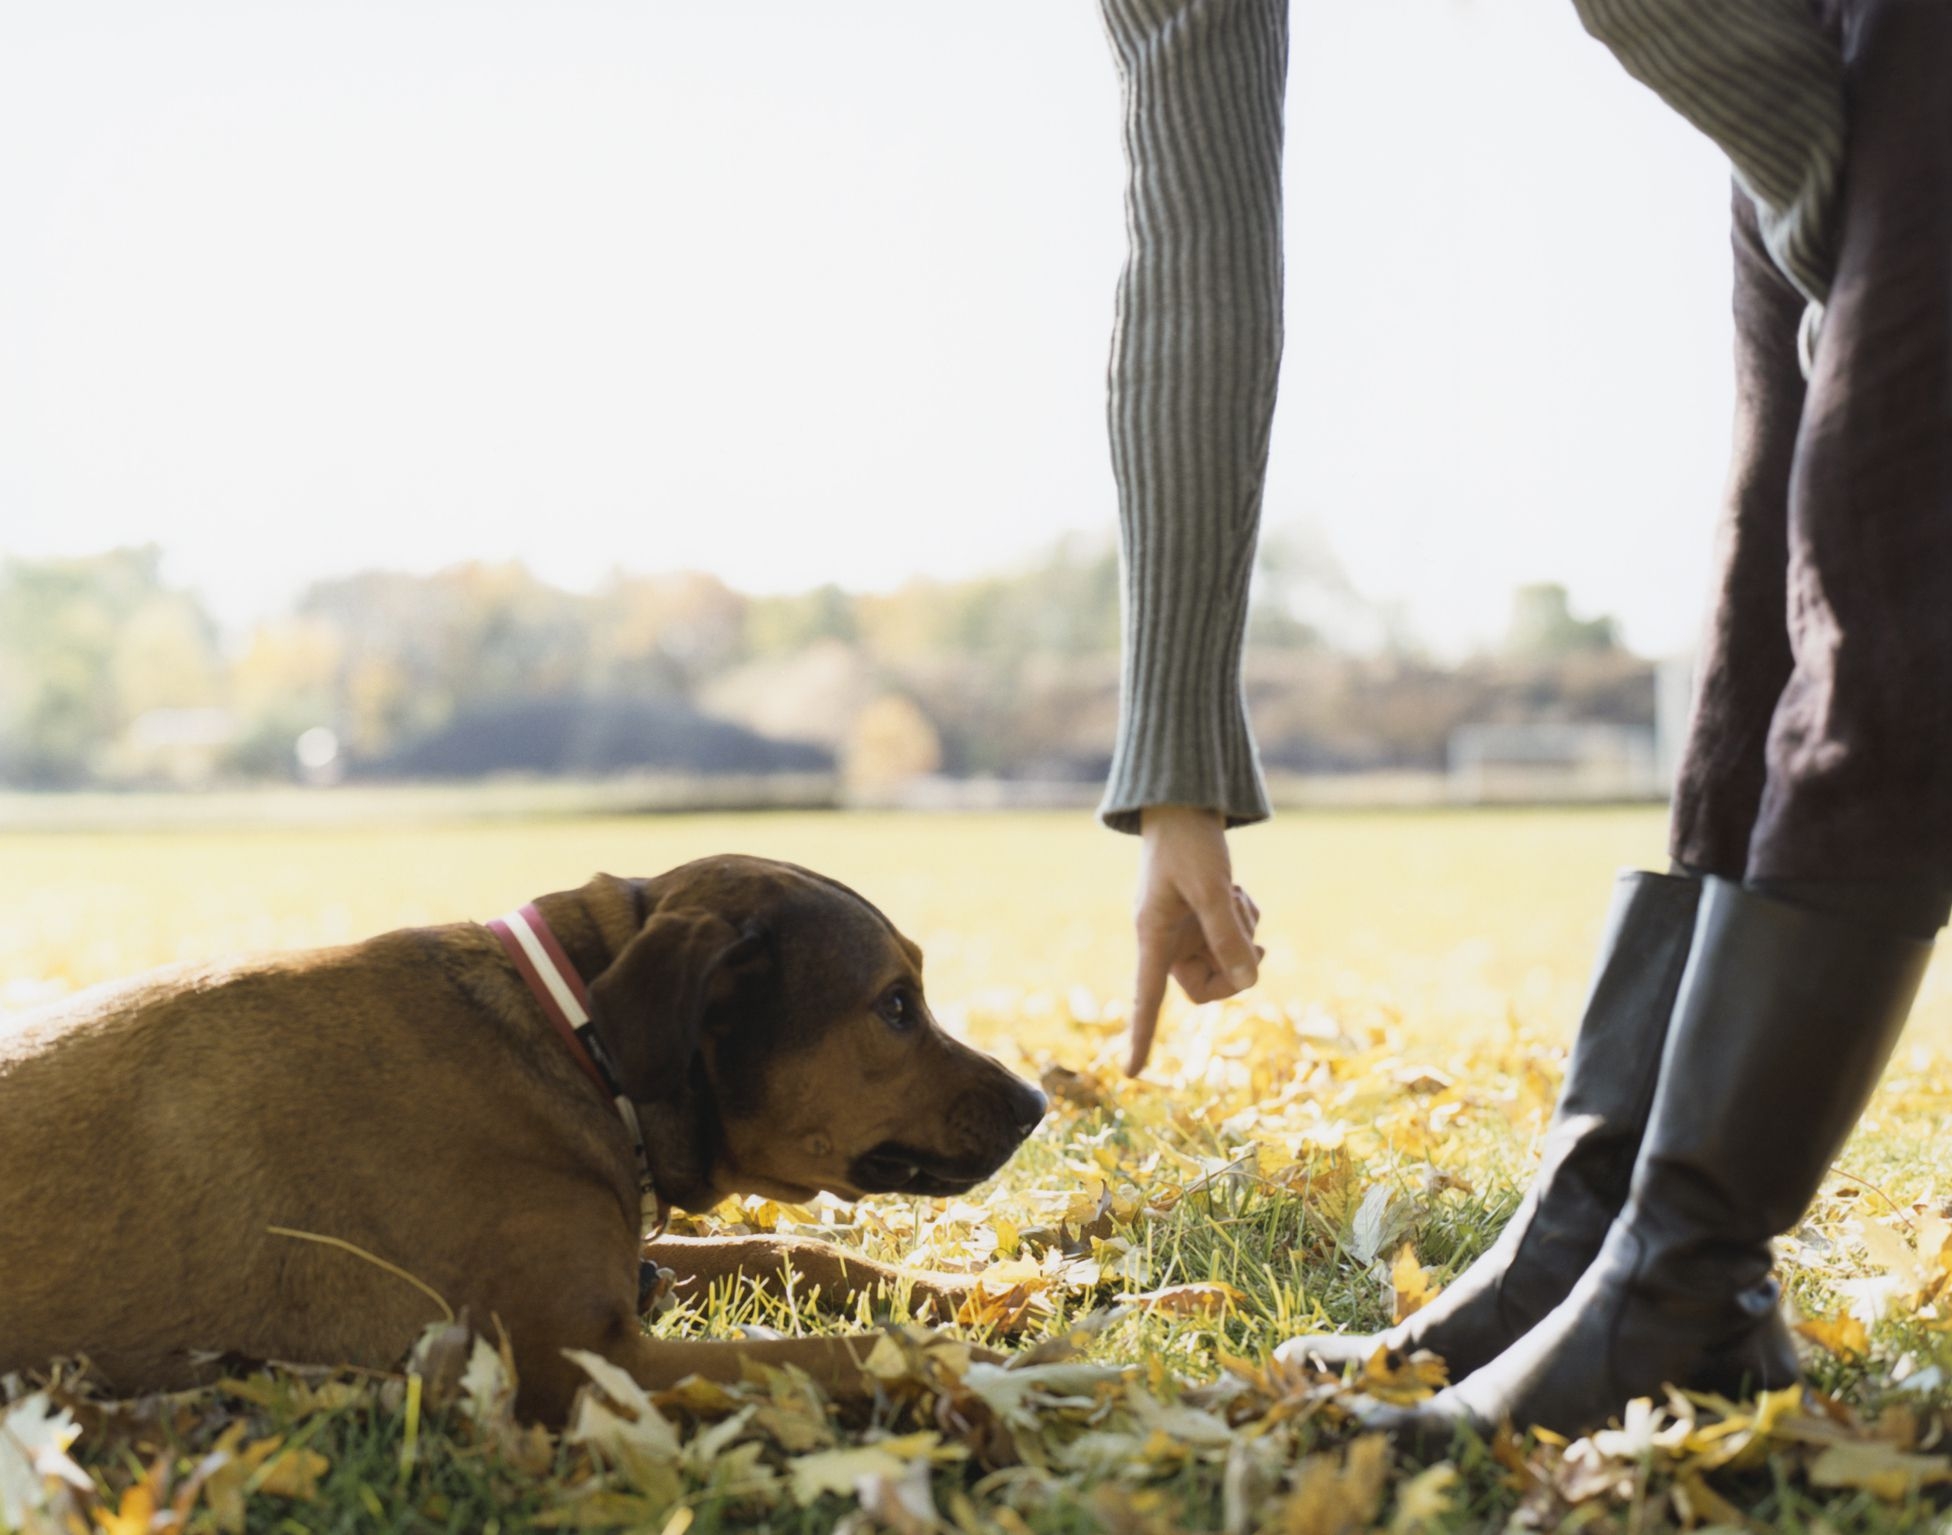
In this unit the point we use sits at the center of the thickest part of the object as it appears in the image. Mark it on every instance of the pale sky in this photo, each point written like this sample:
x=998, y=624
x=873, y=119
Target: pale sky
x=808, y=290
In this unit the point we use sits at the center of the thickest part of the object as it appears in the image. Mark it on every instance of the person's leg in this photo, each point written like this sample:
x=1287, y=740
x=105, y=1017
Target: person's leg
x=1783, y=1024
x=1744, y=661
x=1860, y=752
x=1800, y=980
x=1587, y=1161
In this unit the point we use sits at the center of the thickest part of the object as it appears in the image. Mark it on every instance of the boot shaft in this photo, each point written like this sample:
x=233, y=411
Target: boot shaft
x=1783, y=1025
x=1643, y=953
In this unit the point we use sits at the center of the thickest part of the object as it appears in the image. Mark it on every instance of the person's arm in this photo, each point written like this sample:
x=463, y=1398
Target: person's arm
x=1765, y=80
x=1195, y=353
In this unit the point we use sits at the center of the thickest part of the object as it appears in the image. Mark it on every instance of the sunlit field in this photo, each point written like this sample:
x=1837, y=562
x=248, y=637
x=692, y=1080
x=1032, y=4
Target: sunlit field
x=1444, y=919
x=1324, y=1153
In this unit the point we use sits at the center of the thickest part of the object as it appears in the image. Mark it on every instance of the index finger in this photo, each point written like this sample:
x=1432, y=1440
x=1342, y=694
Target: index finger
x=1148, y=995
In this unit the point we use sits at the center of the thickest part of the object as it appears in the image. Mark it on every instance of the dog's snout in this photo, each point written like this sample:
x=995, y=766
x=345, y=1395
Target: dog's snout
x=1029, y=1105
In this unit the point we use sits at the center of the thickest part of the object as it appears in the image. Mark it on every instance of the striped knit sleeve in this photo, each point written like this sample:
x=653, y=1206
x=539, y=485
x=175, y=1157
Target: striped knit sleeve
x=1195, y=350
x=1765, y=80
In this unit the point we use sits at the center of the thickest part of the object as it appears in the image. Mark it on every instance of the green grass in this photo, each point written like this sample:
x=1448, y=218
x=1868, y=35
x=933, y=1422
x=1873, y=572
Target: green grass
x=1456, y=943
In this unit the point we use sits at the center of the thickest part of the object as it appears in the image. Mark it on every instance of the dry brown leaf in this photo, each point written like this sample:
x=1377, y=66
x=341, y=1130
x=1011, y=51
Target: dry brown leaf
x=1068, y=1086
x=1205, y=1298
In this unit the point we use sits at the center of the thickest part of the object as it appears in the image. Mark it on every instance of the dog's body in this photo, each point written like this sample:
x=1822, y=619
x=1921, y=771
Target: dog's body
x=208, y=1161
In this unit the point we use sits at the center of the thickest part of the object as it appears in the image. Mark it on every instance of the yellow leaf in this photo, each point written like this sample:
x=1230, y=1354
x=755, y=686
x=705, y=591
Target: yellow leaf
x=1424, y=1499
x=1878, y=1469
x=1003, y=1293
x=1161, y=1448
x=1772, y=1408
x=886, y=1360
x=295, y=1475
x=1888, y=1250
x=794, y=1428
x=1409, y=1283
x=1012, y=1271
x=1337, y=1494
x=1701, y=1504
x=1088, y=1208
x=701, y=1397
x=1843, y=1336
x=133, y=1517
x=260, y=1468
x=1412, y=1380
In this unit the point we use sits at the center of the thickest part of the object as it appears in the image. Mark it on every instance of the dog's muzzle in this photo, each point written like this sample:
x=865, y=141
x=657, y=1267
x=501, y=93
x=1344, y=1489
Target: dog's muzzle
x=894, y=1167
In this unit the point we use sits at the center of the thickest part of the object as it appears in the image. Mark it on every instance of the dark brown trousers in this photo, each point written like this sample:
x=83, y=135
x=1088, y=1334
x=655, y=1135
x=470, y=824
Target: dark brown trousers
x=1821, y=742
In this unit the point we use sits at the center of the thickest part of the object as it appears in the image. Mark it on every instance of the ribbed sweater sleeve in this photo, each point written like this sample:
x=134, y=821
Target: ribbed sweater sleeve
x=1195, y=350
x=1765, y=80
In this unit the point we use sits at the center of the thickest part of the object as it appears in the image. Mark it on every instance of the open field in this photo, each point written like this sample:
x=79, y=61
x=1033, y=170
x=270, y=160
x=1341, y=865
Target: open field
x=1315, y=1154
x=1448, y=920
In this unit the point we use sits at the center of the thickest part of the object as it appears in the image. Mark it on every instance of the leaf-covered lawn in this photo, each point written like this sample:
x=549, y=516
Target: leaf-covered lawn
x=1326, y=1154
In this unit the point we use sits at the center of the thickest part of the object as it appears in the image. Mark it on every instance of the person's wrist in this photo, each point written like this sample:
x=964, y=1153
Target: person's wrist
x=1164, y=817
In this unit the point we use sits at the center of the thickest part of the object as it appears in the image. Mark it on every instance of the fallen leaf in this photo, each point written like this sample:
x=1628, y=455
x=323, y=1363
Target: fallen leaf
x=295, y=1475
x=1336, y=1492
x=626, y=1430
x=902, y=1504
x=1182, y=1425
x=1412, y=1379
x=838, y=1471
x=1424, y=1499
x=1409, y=1281
x=133, y=1516
x=36, y=1474
x=1844, y=1336
x=266, y=1466
x=1373, y=1228
x=1886, y=1473
x=1069, y=1086
x=1017, y=1395
x=1701, y=1504
x=1205, y=1298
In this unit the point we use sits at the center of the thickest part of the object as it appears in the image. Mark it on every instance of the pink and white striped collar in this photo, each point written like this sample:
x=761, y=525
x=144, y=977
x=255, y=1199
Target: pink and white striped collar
x=558, y=988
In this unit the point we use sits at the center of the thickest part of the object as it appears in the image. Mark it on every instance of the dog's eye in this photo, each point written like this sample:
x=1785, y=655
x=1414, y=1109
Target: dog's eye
x=896, y=1010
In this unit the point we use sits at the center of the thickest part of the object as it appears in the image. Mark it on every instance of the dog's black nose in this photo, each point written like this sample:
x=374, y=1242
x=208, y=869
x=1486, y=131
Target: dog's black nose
x=1030, y=1106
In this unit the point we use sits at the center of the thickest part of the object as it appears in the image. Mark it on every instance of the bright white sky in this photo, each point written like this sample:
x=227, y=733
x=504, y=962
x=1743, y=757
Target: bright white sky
x=799, y=291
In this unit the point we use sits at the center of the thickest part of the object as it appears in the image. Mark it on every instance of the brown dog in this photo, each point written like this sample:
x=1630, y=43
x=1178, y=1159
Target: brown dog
x=208, y=1161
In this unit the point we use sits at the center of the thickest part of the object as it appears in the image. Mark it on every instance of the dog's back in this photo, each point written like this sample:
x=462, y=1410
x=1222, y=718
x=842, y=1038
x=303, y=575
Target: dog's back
x=152, y=1135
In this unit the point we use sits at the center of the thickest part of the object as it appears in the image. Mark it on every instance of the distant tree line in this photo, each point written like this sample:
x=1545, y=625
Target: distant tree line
x=108, y=674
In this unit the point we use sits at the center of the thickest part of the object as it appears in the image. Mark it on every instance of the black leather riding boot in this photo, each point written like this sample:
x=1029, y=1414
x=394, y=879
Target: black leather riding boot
x=1589, y=1150
x=1785, y=1019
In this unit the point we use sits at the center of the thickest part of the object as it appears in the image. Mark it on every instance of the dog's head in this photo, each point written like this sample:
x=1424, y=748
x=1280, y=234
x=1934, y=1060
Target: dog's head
x=772, y=1025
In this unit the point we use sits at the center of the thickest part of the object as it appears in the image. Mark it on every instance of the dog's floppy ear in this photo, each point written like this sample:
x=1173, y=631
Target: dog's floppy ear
x=649, y=1005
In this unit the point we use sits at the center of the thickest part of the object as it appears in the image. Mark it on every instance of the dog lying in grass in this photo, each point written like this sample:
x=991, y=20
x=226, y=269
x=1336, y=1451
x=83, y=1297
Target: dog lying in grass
x=311, y=1157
